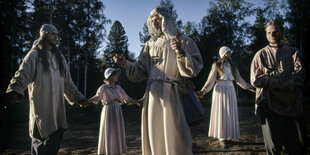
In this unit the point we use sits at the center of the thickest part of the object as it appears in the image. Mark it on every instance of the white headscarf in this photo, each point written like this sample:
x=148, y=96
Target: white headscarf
x=46, y=28
x=169, y=28
x=223, y=50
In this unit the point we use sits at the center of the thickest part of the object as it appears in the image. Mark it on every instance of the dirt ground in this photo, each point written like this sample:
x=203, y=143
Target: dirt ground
x=83, y=139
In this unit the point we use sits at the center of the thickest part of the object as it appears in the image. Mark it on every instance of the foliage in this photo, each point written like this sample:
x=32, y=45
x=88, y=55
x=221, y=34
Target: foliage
x=81, y=26
x=225, y=24
x=117, y=43
x=14, y=37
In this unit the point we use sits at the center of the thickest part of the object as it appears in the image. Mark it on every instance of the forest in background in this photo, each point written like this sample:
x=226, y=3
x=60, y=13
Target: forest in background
x=82, y=28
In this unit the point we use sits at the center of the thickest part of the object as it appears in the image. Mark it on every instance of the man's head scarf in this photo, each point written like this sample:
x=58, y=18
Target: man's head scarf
x=46, y=28
x=169, y=27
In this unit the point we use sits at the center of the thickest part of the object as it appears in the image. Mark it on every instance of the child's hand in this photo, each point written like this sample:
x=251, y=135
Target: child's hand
x=90, y=101
x=84, y=103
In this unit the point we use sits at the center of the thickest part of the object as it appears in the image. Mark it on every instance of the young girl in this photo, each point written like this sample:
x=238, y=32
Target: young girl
x=224, y=122
x=112, y=129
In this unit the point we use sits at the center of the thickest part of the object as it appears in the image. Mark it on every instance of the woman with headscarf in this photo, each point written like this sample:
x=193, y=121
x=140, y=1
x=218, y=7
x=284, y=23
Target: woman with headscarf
x=112, y=130
x=224, y=121
x=166, y=58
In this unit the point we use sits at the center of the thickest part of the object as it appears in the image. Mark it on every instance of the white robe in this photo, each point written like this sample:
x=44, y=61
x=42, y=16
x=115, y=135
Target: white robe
x=164, y=128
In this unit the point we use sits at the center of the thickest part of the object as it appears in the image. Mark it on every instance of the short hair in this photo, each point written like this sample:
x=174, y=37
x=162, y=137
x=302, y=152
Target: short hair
x=278, y=23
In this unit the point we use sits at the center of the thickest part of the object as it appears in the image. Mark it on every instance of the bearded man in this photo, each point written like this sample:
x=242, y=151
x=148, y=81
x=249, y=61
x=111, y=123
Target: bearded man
x=45, y=72
x=166, y=58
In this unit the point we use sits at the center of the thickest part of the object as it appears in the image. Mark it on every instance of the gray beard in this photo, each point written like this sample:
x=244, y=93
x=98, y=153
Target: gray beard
x=158, y=32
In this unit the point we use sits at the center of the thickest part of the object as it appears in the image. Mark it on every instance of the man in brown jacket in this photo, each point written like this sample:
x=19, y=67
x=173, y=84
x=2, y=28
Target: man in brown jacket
x=277, y=73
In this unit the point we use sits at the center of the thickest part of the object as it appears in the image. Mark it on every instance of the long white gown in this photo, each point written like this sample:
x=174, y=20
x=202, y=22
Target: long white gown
x=224, y=121
x=164, y=128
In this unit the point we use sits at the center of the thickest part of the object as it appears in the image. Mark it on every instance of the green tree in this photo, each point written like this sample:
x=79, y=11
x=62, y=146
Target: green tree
x=14, y=29
x=298, y=20
x=81, y=26
x=14, y=34
x=225, y=24
x=117, y=43
x=258, y=40
x=144, y=35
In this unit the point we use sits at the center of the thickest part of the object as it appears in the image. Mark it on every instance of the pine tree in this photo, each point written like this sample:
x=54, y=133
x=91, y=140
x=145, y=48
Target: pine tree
x=258, y=31
x=117, y=43
x=81, y=26
x=14, y=36
x=144, y=35
x=225, y=25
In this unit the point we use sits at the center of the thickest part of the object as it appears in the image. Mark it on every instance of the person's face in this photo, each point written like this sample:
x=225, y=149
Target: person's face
x=156, y=22
x=114, y=77
x=274, y=34
x=228, y=55
x=52, y=38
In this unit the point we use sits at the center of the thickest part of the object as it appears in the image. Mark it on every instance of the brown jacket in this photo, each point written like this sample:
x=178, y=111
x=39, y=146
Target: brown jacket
x=278, y=75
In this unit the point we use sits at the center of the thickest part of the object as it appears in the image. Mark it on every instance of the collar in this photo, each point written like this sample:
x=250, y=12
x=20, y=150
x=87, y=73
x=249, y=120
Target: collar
x=276, y=46
x=111, y=86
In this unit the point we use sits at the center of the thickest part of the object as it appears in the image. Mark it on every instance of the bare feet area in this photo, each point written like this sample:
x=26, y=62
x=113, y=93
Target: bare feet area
x=82, y=139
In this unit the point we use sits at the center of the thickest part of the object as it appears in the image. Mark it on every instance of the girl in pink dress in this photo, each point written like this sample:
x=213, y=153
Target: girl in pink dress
x=112, y=130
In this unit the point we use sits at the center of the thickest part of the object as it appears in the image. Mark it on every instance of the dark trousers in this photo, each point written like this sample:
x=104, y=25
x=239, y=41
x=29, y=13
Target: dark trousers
x=279, y=130
x=46, y=146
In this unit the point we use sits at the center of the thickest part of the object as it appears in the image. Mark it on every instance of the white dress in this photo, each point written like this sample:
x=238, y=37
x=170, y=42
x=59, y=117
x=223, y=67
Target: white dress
x=112, y=129
x=224, y=121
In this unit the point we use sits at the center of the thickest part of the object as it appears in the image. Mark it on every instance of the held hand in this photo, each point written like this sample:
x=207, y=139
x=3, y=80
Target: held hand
x=253, y=89
x=118, y=59
x=200, y=94
x=90, y=101
x=176, y=45
x=84, y=103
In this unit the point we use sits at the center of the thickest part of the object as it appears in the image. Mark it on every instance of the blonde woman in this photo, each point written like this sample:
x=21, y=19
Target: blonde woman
x=224, y=122
x=112, y=129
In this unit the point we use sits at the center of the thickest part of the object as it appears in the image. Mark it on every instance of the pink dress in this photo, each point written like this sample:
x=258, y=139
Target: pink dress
x=112, y=130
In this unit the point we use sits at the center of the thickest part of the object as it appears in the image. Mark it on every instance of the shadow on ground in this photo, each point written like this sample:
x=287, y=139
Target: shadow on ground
x=83, y=139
